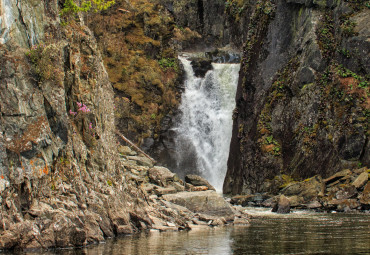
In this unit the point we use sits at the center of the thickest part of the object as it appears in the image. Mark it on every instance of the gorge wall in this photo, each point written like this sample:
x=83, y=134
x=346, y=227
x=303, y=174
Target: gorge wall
x=302, y=105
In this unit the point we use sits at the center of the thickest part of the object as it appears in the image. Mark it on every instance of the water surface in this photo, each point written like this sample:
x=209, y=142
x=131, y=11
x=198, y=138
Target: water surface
x=301, y=232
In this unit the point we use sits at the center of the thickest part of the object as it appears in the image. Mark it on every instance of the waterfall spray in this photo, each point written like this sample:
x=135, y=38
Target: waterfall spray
x=205, y=125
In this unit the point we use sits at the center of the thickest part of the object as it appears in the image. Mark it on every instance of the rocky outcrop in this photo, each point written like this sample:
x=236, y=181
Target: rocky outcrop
x=345, y=191
x=302, y=105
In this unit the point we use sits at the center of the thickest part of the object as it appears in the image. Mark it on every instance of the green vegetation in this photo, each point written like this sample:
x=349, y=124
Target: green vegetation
x=166, y=63
x=70, y=7
x=258, y=25
x=325, y=35
x=44, y=59
x=141, y=62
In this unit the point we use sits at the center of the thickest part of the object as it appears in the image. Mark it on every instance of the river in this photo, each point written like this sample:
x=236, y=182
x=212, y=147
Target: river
x=301, y=232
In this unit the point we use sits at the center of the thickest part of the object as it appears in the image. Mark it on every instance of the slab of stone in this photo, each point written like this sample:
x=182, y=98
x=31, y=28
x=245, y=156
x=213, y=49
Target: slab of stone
x=163, y=191
x=207, y=202
x=197, y=180
x=337, y=176
x=361, y=180
x=143, y=161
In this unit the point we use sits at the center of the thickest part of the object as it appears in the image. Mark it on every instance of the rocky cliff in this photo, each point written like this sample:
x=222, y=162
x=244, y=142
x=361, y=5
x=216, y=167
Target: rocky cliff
x=64, y=181
x=303, y=94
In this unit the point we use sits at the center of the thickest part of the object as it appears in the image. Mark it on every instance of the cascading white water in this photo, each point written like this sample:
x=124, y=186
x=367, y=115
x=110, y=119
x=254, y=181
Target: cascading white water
x=206, y=119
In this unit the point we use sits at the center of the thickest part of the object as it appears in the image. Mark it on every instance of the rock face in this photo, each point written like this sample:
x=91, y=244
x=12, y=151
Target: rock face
x=301, y=105
x=218, y=23
x=63, y=182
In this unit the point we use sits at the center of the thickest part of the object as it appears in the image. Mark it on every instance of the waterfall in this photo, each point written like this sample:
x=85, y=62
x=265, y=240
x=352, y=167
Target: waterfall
x=204, y=130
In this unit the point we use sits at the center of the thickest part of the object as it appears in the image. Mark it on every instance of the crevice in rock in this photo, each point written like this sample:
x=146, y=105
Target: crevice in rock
x=201, y=13
x=23, y=23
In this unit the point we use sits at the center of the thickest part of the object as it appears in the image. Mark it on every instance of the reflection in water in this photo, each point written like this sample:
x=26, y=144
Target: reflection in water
x=297, y=233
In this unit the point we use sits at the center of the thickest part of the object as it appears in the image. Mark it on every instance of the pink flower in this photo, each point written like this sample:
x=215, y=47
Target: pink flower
x=79, y=104
x=72, y=113
x=90, y=125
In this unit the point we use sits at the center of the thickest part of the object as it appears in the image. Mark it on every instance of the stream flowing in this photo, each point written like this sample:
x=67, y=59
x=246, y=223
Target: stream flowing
x=205, y=125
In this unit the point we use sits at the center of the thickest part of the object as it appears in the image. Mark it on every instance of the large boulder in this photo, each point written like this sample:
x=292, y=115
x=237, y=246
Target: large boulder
x=283, y=205
x=308, y=189
x=205, y=202
x=197, y=180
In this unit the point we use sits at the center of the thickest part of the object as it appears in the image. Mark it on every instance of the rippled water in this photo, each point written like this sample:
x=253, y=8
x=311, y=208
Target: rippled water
x=297, y=233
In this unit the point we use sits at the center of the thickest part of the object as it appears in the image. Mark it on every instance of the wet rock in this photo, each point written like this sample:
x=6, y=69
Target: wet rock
x=206, y=202
x=201, y=66
x=241, y=200
x=282, y=206
x=361, y=180
x=124, y=230
x=218, y=222
x=197, y=180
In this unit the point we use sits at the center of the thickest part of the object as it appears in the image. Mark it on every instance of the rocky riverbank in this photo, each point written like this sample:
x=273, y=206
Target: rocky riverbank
x=139, y=197
x=345, y=191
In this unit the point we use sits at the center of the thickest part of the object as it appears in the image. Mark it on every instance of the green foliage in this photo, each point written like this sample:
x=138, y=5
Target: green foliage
x=166, y=63
x=325, y=35
x=344, y=73
x=345, y=52
x=70, y=7
x=348, y=27
x=109, y=182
